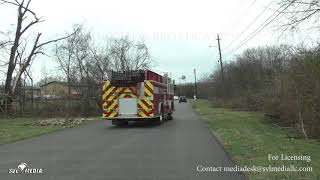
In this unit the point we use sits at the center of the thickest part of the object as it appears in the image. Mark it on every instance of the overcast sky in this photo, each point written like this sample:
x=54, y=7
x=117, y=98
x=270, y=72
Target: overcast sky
x=178, y=33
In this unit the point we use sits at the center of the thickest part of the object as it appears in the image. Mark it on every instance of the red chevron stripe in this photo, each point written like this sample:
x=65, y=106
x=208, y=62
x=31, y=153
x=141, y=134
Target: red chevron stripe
x=110, y=94
x=146, y=113
x=107, y=105
x=105, y=101
x=102, y=84
x=127, y=94
x=146, y=104
x=146, y=85
x=107, y=114
x=122, y=90
x=104, y=91
x=149, y=113
x=132, y=89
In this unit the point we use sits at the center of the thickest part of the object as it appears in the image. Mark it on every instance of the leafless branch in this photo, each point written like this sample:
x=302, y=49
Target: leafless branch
x=299, y=114
x=55, y=40
x=20, y=4
x=300, y=12
x=4, y=43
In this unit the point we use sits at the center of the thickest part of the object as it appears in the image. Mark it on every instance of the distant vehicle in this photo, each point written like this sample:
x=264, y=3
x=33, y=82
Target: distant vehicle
x=37, y=97
x=51, y=96
x=176, y=97
x=182, y=99
x=137, y=95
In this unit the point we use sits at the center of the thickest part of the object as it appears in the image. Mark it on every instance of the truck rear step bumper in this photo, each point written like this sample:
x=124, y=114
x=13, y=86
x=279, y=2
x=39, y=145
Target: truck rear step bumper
x=136, y=118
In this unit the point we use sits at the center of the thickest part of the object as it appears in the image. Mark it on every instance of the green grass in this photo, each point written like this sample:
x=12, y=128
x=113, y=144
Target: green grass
x=248, y=139
x=17, y=129
x=12, y=130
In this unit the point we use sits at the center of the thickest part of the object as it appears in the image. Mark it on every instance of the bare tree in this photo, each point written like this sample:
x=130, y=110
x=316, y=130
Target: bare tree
x=300, y=11
x=4, y=44
x=100, y=63
x=87, y=64
x=129, y=55
x=64, y=53
x=18, y=54
x=73, y=56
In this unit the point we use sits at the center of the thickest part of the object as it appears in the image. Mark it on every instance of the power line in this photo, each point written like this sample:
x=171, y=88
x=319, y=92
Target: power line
x=259, y=29
x=249, y=25
x=242, y=15
x=252, y=3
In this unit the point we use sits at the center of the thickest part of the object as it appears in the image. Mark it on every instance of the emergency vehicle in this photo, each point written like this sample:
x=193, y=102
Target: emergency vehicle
x=137, y=95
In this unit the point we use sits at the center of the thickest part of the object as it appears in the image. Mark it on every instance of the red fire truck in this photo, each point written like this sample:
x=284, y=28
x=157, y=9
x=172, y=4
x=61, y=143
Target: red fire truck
x=137, y=95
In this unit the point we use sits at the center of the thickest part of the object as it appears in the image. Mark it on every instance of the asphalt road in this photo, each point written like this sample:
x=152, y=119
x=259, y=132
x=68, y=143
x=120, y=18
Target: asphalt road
x=172, y=150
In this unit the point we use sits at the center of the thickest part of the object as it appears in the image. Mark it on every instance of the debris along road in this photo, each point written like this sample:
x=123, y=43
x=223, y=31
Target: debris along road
x=176, y=150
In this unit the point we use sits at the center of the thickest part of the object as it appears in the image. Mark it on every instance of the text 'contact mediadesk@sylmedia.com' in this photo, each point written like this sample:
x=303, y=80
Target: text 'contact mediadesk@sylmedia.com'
x=267, y=168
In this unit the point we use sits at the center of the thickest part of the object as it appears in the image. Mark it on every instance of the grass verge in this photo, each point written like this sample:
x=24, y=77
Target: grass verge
x=249, y=140
x=12, y=130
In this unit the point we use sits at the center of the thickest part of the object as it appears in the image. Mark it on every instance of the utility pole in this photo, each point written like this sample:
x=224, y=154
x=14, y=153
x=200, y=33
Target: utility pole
x=220, y=59
x=221, y=66
x=195, y=83
x=180, y=84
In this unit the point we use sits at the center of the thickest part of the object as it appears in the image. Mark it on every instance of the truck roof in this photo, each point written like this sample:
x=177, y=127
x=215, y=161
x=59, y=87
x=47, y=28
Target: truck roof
x=132, y=77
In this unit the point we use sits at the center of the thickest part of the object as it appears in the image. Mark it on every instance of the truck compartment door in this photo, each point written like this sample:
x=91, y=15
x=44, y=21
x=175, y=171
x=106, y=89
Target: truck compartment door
x=127, y=106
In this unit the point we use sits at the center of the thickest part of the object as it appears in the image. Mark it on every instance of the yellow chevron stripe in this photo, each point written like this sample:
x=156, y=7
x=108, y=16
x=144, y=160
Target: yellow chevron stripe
x=142, y=114
x=127, y=91
x=148, y=102
x=148, y=92
x=113, y=96
x=104, y=96
x=104, y=104
x=144, y=107
x=113, y=114
x=148, y=83
x=104, y=88
x=112, y=106
x=119, y=89
x=105, y=85
x=108, y=92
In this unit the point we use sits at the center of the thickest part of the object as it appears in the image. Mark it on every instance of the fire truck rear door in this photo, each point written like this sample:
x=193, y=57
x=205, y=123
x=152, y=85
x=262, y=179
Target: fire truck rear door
x=127, y=106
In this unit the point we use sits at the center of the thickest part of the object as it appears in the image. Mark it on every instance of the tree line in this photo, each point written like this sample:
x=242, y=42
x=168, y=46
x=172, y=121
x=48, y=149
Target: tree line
x=85, y=63
x=282, y=81
x=81, y=60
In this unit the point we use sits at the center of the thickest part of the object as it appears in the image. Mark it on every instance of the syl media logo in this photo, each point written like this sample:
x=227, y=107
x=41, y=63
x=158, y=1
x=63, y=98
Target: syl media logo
x=24, y=169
